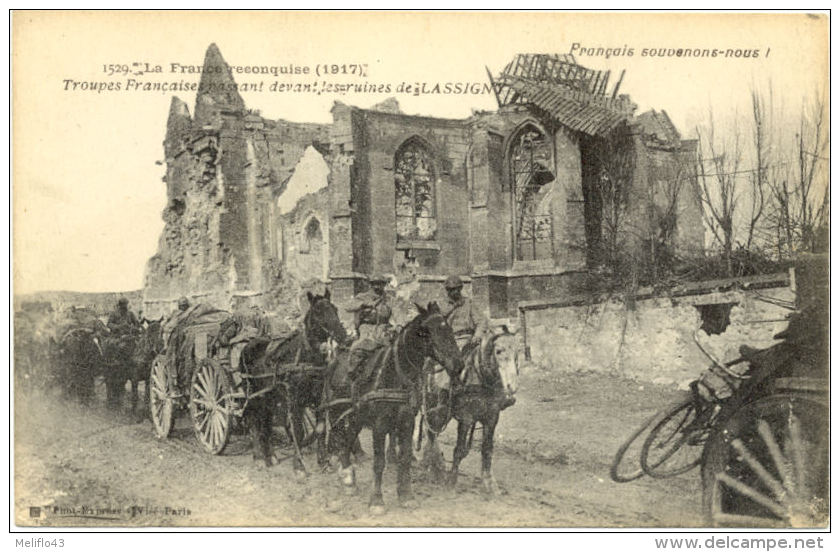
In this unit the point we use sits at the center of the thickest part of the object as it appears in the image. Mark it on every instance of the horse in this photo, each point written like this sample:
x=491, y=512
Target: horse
x=128, y=359
x=261, y=357
x=149, y=345
x=490, y=379
x=81, y=361
x=385, y=398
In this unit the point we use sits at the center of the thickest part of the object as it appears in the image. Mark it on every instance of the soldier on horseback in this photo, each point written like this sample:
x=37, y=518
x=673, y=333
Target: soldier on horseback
x=122, y=321
x=372, y=320
x=469, y=325
x=124, y=329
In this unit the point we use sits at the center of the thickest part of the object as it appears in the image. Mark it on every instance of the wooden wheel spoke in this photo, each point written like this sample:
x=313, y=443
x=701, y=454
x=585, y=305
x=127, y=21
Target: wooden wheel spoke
x=202, y=379
x=217, y=429
x=776, y=454
x=753, y=494
x=156, y=381
x=771, y=482
x=199, y=390
x=201, y=419
x=797, y=446
x=207, y=431
x=205, y=403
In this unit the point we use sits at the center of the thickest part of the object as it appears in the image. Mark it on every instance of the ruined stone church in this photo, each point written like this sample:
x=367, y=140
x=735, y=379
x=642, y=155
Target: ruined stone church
x=510, y=200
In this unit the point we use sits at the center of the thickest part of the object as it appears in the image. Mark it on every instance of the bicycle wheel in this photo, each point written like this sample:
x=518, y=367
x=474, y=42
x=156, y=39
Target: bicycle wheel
x=664, y=453
x=626, y=465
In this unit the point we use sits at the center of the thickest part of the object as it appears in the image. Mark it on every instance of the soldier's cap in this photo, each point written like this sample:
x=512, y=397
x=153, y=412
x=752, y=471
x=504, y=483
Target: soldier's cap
x=453, y=282
x=183, y=301
x=379, y=279
x=122, y=301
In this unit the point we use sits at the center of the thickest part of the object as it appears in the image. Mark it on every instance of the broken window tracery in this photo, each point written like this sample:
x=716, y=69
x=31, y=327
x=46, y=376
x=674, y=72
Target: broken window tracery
x=414, y=192
x=530, y=162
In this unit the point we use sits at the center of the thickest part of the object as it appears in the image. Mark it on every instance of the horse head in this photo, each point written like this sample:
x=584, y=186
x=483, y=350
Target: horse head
x=500, y=357
x=431, y=327
x=322, y=322
x=151, y=339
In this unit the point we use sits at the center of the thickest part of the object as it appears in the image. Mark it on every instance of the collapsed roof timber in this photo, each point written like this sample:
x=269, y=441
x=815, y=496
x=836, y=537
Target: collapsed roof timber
x=510, y=199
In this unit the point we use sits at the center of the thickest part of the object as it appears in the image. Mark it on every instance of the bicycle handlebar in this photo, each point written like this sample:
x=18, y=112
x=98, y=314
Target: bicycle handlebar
x=724, y=367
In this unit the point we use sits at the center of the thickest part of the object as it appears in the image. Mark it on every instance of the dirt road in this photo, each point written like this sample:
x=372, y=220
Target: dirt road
x=553, y=450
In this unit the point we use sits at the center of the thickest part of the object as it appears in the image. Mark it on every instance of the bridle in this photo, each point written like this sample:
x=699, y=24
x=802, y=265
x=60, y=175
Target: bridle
x=312, y=324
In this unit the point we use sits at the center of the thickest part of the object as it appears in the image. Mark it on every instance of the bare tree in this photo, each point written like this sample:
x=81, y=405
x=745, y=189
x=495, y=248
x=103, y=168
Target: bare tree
x=798, y=187
x=717, y=172
x=758, y=178
x=615, y=157
x=666, y=182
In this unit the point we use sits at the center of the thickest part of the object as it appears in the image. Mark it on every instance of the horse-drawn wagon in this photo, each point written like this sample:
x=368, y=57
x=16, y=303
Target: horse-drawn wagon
x=219, y=369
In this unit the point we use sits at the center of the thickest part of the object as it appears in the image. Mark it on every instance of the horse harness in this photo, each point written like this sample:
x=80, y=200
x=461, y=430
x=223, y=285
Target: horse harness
x=395, y=395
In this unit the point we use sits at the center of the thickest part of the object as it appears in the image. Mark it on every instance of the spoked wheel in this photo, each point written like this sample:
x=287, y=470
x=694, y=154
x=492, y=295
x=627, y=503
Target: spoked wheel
x=767, y=466
x=626, y=465
x=211, y=406
x=671, y=447
x=161, y=403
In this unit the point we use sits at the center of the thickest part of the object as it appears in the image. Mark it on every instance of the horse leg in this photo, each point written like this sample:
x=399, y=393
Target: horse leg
x=405, y=433
x=266, y=418
x=322, y=444
x=347, y=436
x=86, y=383
x=487, y=478
x=432, y=456
x=135, y=382
x=377, y=505
x=392, y=456
x=461, y=449
x=147, y=394
x=297, y=428
x=358, y=453
x=253, y=418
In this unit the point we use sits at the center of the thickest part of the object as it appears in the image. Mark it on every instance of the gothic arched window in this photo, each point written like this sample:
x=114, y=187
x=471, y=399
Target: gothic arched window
x=530, y=166
x=414, y=192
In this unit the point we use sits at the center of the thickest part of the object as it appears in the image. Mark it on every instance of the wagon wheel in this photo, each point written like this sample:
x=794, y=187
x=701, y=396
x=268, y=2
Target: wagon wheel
x=211, y=405
x=626, y=465
x=670, y=448
x=767, y=466
x=161, y=403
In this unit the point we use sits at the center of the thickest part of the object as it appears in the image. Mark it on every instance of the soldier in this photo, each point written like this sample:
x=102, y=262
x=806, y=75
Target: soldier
x=171, y=322
x=122, y=321
x=372, y=320
x=468, y=325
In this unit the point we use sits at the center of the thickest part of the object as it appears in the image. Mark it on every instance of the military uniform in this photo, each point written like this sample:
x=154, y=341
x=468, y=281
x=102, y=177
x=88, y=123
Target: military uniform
x=122, y=322
x=467, y=323
x=372, y=320
x=175, y=318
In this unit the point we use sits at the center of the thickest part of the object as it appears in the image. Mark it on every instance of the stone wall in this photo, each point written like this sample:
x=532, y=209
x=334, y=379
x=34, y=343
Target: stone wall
x=652, y=339
x=447, y=141
x=228, y=241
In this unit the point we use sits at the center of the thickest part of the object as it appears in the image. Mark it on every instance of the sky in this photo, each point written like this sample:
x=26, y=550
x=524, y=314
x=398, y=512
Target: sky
x=87, y=188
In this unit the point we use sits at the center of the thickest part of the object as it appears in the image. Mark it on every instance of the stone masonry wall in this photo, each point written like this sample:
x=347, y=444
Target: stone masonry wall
x=654, y=341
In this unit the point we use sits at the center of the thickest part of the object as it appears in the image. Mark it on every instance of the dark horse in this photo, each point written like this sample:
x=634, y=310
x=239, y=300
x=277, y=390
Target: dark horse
x=490, y=379
x=128, y=358
x=263, y=357
x=80, y=357
x=149, y=345
x=386, y=398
